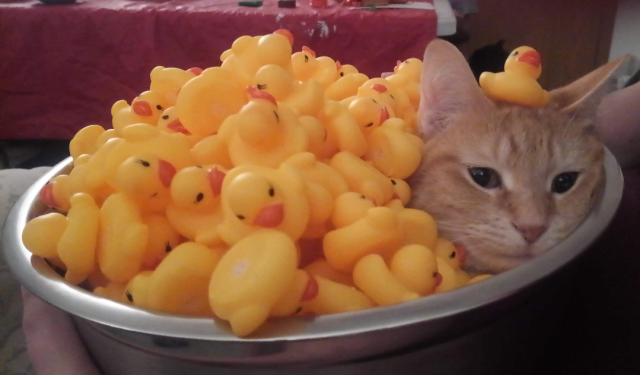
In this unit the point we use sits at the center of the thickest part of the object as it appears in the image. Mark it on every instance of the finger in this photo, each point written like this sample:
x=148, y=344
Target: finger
x=54, y=346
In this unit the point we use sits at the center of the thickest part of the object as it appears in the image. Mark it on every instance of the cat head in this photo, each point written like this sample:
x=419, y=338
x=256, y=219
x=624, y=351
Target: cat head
x=508, y=182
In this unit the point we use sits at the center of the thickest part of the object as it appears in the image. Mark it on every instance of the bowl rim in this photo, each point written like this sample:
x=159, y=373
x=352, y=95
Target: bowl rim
x=34, y=274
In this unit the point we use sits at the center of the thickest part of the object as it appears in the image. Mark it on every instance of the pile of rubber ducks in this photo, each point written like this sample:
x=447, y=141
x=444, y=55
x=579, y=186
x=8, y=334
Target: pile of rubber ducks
x=270, y=186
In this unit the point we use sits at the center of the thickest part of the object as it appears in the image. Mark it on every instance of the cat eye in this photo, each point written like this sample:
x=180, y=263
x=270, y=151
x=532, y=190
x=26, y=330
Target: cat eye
x=485, y=177
x=564, y=182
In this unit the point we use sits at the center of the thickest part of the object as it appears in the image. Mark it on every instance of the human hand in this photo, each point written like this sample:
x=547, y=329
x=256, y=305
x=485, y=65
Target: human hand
x=54, y=346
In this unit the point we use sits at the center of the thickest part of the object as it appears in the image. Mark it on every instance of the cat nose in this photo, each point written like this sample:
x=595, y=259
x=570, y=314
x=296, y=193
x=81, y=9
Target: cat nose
x=531, y=233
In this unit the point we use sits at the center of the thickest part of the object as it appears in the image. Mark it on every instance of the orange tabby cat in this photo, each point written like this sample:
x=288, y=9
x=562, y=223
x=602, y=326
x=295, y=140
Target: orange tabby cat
x=507, y=182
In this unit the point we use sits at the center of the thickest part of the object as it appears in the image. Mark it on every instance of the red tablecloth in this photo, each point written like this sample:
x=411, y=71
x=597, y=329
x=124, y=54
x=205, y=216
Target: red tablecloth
x=63, y=66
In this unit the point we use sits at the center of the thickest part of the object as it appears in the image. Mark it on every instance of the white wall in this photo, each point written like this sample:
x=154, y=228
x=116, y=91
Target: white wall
x=626, y=32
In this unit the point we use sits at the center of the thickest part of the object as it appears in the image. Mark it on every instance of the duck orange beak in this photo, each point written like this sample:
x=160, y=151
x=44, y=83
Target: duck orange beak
x=379, y=88
x=216, y=178
x=270, y=216
x=384, y=114
x=142, y=108
x=311, y=291
x=285, y=33
x=309, y=51
x=177, y=127
x=195, y=71
x=461, y=251
x=438, y=278
x=46, y=195
x=256, y=93
x=166, y=171
x=530, y=57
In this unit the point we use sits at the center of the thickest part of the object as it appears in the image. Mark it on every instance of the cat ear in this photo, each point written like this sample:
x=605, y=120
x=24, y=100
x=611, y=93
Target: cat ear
x=448, y=89
x=582, y=97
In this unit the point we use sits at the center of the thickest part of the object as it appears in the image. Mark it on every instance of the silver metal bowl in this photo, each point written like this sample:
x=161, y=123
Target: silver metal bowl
x=122, y=337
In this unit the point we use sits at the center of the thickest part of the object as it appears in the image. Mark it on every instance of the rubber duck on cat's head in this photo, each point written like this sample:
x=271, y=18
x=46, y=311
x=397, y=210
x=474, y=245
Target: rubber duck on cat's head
x=518, y=83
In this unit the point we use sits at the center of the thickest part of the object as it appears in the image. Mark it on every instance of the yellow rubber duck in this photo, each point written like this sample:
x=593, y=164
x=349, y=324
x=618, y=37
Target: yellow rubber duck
x=303, y=98
x=167, y=82
x=369, y=114
x=77, y=245
x=518, y=83
x=372, y=276
x=195, y=210
x=122, y=238
x=386, y=92
x=322, y=268
x=248, y=54
x=323, y=185
x=332, y=131
x=145, y=108
x=307, y=66
x=418, y=227
x=334, y=297
x=453, y=255
x=42, y=233
x=349, y=79
x=255, y=197
x=55, y=193
x=315, y=171
x=407, y=78
x=251, y=278
x=85, y=141
x=180, y=284
x=378, y=232
x=416, y=267
x=212, y=150
x=88, y=174
x=303, y=288
x=170, y=122
x=207, y=100
x=401, y=191
x=363, y=178
x=394, y=151
x=349, y=208
x=146, y=179
x=138, y=139
x=163, y=238
x=263, y=133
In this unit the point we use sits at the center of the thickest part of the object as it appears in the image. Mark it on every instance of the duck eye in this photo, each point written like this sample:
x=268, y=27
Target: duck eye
x=363, y=197
x=129, y=296
x=515, y=53
x=393, y=182
x=452, y=255
x=159, y=107
x=199, y=197
x=374, y=101
x=167, y=247
x=277, y=117
x=261, y=87
x=485, y=177
x=144, y=163
x=306, y=58
x=564, y=182
x=240, y=217
x=272, y=192
x=392, y=97
x=368, y=125
x=165, y=117
x=341, y=74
